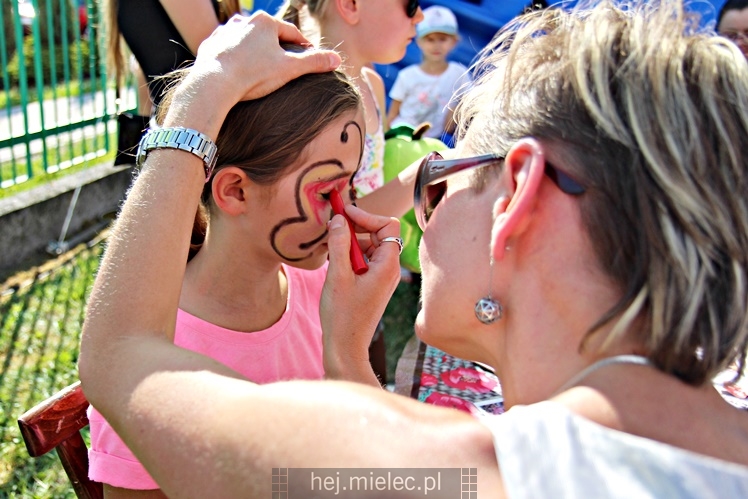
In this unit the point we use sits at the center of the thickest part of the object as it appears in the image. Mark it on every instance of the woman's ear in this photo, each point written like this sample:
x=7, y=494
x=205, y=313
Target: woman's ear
x=230, y=190
x=524, y=167
x=348, y=10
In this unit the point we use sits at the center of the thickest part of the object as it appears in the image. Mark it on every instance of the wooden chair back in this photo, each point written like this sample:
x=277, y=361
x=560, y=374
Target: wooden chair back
x=56, y=423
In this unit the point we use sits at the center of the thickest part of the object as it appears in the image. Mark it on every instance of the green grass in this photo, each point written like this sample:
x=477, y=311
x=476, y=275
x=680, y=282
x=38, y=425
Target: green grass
x=40, y=324
x=65, y=151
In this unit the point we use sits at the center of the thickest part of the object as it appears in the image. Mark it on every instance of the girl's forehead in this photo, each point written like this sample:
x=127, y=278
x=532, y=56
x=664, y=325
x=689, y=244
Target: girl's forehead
x=333, y=154
x=344, y=136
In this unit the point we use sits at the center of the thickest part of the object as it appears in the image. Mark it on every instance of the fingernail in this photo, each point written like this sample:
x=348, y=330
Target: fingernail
x=337, y=222
x=334, y=60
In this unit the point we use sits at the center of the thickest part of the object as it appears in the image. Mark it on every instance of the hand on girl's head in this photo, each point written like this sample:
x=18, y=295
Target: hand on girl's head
x=246, y=53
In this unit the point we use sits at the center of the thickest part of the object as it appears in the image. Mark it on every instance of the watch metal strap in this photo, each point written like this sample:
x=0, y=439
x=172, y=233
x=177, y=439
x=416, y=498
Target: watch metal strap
x=181, y=138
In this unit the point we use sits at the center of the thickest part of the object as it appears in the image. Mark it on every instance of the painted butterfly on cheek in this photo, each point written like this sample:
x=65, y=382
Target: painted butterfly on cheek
x=311, y=204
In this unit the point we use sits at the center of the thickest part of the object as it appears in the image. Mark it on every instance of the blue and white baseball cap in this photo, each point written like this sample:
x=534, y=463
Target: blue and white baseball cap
x=437, y=19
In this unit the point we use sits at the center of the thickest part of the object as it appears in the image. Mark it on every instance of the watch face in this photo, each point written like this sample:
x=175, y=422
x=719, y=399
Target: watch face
x=142, y=152
x=211, y=157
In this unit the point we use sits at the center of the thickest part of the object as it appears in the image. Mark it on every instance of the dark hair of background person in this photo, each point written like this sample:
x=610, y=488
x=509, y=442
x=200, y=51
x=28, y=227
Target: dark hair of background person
x=731, y=5
x=536, y=5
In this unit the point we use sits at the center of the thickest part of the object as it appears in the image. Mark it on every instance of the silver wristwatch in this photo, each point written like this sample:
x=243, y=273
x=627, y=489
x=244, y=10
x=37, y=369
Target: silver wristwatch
x=181, y=138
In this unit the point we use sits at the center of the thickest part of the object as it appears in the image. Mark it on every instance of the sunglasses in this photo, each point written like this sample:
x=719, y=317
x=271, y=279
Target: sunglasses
x=734, y=36
x=434, y=170
x=411, y=8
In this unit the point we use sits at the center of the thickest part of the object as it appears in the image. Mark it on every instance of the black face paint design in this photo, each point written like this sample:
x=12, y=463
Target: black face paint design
x=323, y=172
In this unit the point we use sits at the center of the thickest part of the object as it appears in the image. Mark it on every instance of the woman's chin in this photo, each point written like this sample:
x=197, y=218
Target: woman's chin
x=429, y=334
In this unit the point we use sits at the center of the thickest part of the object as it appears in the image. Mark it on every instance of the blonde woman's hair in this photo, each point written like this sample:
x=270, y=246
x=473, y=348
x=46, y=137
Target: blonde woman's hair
x=650, y=113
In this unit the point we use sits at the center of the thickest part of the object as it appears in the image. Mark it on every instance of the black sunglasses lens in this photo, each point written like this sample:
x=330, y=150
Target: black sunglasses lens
x=564, y=182
x=412, y=8
x=434, y=194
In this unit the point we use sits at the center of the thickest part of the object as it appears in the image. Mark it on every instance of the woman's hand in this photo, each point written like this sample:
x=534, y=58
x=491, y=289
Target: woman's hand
x=248, y=50
x=241, y=60
x=352, y=305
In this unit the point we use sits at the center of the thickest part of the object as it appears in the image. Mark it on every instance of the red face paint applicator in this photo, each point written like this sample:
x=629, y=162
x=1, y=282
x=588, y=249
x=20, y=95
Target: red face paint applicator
x=358, y=262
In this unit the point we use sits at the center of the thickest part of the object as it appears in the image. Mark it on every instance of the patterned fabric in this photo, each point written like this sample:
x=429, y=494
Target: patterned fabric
x=734, y=391
x=370, y=176
x=435, y=377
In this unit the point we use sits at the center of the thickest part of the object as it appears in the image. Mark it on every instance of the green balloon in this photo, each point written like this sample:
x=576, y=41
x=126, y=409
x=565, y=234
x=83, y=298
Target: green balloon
x=403, y=146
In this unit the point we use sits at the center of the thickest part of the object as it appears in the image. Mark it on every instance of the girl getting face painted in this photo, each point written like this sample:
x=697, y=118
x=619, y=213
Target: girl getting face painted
x=252, y=285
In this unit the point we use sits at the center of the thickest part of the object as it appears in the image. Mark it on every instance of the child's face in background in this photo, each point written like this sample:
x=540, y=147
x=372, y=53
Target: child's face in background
x=734, y=25
x=298, y=212
x=385, y=30
x=435, y=47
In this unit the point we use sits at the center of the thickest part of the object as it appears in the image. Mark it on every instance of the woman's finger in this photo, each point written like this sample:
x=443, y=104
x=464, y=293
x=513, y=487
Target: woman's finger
x=289, y=33
x=378, y=228
x=369, y=222
x=339, y=246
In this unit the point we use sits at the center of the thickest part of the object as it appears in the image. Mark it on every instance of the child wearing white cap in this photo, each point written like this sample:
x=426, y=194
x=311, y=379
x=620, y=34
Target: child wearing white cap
x=423, y=92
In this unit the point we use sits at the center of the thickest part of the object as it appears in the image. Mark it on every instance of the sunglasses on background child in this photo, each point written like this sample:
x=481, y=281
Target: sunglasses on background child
x=411, y=8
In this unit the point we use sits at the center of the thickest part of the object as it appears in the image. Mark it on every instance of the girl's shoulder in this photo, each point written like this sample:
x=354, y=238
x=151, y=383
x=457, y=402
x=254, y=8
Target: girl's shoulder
x=373, y=80
x=371, y=75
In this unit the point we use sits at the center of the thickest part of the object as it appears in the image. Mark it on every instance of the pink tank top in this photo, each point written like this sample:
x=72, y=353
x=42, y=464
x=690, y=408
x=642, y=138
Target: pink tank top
x=289, y=349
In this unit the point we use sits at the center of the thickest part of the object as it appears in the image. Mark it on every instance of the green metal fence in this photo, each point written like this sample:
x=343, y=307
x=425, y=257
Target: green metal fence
x=57, y=107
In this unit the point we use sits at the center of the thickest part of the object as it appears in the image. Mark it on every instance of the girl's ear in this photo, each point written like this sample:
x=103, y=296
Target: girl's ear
x=348, y=10
x=524, y=167
x=230, y=190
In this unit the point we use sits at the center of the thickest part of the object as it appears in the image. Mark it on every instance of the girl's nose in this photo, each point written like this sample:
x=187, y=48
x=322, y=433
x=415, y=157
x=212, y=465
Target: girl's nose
x=418, y=17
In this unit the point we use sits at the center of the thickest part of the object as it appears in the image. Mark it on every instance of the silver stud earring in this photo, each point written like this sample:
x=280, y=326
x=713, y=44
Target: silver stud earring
x=488, y=310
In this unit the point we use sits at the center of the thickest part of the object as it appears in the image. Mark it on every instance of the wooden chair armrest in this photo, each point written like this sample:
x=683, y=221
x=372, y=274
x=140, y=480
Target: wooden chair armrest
x=51, y=422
